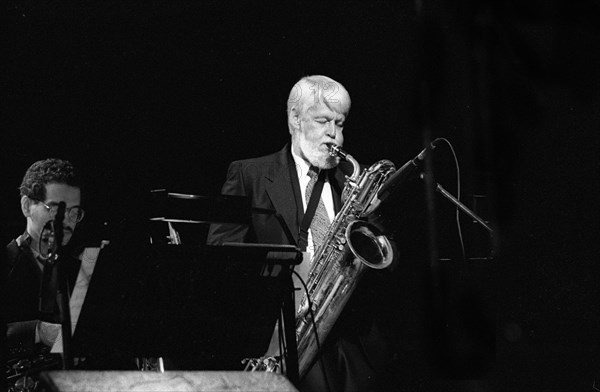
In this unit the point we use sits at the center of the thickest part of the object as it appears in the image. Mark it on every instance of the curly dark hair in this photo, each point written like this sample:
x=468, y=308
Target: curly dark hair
x=45, y=172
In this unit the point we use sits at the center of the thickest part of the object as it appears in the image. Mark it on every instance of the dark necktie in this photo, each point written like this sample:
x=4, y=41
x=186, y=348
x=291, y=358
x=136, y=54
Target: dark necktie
x=320, y=222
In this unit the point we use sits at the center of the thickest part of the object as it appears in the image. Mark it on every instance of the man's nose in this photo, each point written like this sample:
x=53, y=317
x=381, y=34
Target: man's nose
x=331, y=129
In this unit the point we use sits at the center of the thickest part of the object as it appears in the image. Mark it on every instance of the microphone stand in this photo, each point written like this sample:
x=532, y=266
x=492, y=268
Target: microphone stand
x=65, y=315
x=464, y=208
x=63, y=292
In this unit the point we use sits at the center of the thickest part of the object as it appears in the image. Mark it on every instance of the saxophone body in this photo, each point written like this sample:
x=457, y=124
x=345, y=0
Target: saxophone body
x=351, y=245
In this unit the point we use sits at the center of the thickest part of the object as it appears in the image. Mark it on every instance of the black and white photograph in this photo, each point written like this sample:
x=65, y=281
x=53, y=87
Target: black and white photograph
x=301, y=196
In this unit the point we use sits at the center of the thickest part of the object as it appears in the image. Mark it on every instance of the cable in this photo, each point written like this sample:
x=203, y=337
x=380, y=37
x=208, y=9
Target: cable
x=458, y=227
x=282, y=345
x=312, y=319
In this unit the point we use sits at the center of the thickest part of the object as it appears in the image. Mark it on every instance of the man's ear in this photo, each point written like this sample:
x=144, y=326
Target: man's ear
x=294, y=119
x=26, y=203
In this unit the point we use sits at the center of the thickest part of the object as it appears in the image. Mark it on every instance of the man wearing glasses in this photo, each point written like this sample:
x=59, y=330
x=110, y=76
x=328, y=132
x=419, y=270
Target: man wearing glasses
x=32, y=312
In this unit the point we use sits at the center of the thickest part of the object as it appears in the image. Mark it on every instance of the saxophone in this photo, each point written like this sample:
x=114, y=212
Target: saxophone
x=350, y=246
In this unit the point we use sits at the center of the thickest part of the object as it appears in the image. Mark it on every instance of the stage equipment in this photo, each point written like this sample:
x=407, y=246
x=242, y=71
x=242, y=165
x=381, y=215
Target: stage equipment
x=260, y=268
x=407, y=171
x=172, y=381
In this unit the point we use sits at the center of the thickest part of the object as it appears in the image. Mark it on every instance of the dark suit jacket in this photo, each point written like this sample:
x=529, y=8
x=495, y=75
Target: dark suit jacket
x=22, y=293
x=271, y=183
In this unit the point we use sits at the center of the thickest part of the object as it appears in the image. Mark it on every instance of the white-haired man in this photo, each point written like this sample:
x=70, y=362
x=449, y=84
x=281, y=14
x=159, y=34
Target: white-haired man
x=316, y=113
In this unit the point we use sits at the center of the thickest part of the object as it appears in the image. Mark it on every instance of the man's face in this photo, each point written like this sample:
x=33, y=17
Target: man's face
x=38, y=214
x=318, y=126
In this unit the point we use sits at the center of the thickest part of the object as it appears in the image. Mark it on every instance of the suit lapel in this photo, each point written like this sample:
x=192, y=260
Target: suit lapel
x=283, y=192
x=283, y=189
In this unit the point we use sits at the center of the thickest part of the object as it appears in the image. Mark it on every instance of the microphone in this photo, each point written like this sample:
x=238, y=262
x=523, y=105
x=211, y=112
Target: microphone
x=405, y=172
x=52, y=235
x=58, y=224
x=47, y=242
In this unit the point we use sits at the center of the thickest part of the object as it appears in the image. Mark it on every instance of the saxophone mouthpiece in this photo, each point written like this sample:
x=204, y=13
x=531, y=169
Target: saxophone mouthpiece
x=336, y=151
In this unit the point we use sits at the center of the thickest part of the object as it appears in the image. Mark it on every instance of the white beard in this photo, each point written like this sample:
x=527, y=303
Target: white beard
x=314, y=153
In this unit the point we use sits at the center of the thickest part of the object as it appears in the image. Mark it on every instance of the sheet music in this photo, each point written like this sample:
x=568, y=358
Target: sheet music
x=88, y=263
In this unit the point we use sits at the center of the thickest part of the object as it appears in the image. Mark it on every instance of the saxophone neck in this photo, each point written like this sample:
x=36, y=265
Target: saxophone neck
x=336, y=150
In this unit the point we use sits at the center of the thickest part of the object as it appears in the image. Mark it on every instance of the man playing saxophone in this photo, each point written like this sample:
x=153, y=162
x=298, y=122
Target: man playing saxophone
x=354, y=353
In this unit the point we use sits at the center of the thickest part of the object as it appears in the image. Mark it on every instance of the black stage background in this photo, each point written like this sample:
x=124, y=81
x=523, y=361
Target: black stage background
x=147, y=95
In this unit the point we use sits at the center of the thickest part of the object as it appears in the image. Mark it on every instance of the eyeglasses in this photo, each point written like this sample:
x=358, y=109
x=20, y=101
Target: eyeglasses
x=74, y=214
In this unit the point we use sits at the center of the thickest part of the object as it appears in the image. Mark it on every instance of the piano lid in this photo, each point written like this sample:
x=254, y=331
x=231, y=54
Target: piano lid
x=189, y=208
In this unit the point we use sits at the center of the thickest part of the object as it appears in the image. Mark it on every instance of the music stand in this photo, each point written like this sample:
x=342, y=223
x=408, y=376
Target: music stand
x=210, y=307
x=199, y=307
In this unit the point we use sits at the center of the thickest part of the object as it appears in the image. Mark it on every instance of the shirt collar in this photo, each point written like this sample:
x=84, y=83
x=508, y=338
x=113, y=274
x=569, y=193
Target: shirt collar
x=24, y=243
x=24, y=239
x=302, y=166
